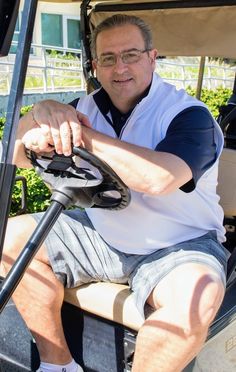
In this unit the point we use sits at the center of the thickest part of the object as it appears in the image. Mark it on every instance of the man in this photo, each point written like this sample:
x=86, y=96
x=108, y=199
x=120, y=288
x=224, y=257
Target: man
x=166, y=244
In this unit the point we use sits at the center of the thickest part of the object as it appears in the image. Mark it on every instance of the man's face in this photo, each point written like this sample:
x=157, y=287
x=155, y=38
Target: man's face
x=124, y=82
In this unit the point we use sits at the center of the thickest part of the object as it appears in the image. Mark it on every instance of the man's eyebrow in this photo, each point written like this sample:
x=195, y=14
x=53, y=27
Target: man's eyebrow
x=106, y=53
x=123, y=51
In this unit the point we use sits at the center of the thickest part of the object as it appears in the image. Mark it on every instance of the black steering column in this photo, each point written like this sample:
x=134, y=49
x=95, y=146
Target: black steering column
x=70, y=185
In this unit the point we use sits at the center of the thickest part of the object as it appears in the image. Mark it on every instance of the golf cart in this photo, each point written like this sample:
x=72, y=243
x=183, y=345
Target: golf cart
x=100, y=319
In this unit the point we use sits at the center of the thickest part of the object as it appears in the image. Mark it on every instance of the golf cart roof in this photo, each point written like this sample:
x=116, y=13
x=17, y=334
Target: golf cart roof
x=180, y=27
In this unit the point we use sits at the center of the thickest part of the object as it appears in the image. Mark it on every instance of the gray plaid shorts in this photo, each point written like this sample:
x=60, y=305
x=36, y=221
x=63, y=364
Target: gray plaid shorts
x=79, y=255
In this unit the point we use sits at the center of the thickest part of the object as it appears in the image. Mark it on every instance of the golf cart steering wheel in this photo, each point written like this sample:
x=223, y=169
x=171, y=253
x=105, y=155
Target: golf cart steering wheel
x=79, y=185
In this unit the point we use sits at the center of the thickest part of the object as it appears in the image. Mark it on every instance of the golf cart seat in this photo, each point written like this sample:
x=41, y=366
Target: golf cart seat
x=114, y=301
x=107, y=300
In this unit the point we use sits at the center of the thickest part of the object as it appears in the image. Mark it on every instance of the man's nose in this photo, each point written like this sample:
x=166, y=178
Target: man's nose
x=120, y=65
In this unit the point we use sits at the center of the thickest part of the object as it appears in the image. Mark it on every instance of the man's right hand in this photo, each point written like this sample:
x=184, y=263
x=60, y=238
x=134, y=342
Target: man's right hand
x=50, y=125
x=60, y=124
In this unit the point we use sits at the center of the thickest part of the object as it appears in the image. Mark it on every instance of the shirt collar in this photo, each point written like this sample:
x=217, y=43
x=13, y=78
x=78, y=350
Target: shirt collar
x=105, y=104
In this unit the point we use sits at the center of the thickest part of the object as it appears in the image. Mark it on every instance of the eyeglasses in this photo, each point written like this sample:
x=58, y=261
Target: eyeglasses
x=128, y=57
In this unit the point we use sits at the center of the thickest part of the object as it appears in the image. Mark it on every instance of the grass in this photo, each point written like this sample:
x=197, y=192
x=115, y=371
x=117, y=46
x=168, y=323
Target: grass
x=55, y=82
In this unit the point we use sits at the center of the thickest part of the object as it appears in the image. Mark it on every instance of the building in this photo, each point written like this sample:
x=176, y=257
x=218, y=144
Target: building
x=57, y=26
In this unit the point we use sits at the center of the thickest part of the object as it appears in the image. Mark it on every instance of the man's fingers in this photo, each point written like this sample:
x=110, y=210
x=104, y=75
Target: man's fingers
x=36, y=141
x=60, y=124
x=46, y=130
x=66, y=138
x=76, y=133
x=43, y=145
x=83, y=119
x=62, y=131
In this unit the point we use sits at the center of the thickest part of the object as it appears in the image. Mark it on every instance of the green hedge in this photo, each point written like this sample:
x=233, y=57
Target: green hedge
x=39, y=194
x=213, y=98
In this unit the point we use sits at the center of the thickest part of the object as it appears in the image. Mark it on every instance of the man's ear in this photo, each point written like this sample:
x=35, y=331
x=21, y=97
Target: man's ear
x=153, y=55
x=94, y=65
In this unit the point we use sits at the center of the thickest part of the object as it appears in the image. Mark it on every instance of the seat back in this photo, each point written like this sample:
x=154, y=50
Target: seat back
x=227, y=181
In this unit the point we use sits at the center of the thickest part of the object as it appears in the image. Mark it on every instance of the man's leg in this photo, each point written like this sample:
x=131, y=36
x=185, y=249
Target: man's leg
x=186, y=302
x=39, y=295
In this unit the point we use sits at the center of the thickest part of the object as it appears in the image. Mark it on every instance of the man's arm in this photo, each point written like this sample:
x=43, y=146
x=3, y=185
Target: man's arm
x=142, y=169
x=26, y=124
x=188, y=148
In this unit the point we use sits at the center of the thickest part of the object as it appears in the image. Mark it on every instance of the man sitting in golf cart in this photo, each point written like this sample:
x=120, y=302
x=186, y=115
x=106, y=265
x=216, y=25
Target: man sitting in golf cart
x=166, y=244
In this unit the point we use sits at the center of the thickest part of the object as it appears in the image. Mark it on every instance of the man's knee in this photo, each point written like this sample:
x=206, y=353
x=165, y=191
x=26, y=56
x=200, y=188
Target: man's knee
x=189, y=298
x=19, y=229
x=204, y=305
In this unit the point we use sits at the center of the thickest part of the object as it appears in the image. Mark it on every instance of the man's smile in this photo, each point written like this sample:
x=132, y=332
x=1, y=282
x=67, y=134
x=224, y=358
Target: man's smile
x=122, y=81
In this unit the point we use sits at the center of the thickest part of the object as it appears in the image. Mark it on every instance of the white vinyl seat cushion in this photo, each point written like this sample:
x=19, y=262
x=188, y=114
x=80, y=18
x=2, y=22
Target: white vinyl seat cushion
x=108, y=300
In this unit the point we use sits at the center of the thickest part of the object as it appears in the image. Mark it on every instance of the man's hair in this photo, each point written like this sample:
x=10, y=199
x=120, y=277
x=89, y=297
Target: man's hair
x=121, y=20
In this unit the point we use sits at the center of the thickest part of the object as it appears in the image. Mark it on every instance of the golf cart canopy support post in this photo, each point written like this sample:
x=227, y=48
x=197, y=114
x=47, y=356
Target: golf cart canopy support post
x=7, y=169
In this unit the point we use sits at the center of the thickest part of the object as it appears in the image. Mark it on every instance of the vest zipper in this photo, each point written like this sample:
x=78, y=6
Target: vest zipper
x=127, y=121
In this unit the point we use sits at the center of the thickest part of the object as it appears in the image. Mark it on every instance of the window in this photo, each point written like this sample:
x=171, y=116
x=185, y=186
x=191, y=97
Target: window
x=16, y=34
x=73, y=34
x=60, y=31
x=15, y=37
x=52, y=29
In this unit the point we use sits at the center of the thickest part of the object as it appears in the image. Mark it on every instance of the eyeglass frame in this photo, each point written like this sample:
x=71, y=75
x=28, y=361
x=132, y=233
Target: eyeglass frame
x=117, y=55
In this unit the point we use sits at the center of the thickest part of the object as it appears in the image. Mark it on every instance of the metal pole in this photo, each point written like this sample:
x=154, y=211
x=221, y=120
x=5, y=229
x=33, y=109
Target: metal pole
x=200, y=77
x=18, y=269
x=7, y=169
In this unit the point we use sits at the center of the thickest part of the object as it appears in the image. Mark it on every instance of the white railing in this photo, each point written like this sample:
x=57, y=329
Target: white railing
x=184, y=74
x=56, y=72
x=47, y=71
